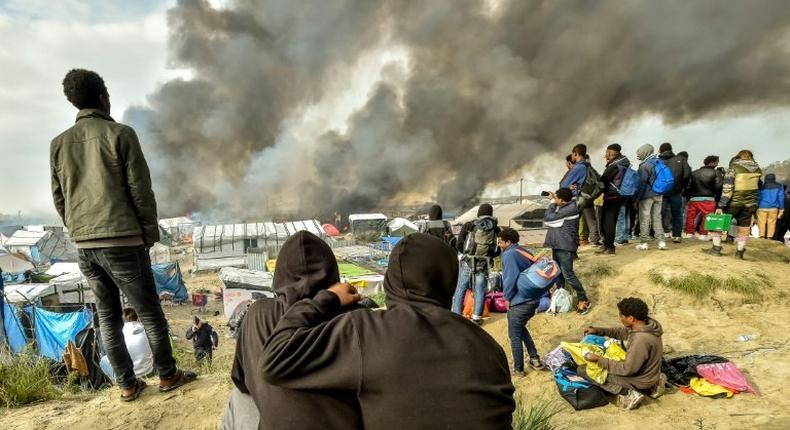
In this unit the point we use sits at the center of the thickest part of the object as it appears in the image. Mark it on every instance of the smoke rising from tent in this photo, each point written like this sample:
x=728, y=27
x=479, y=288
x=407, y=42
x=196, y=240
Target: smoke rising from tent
x=485, y=89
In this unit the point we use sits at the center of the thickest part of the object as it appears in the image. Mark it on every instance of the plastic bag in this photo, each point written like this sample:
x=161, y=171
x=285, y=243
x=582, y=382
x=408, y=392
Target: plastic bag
x=727, y=375
x=556, y=358
x=561, y=301
x=708, y=389
x=594, y=371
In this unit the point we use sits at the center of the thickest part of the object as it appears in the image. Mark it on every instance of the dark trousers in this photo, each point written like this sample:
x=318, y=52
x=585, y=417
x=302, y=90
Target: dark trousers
x=111, y=271
x=672, y=212
x=517, y=318
x=782, y=226
x=609, y=213
x=565, y=260
x=203, y=353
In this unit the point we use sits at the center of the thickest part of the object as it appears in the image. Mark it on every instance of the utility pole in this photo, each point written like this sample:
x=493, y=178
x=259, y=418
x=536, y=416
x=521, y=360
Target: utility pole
x=520, y=190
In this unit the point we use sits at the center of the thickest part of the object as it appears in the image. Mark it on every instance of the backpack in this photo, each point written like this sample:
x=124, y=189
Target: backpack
x=561, y=301
x=592, y=187
x=540, y=274
x=664, y=182
x=481, y=241
x=631, y=184
x=577, y=391
x=498, y=302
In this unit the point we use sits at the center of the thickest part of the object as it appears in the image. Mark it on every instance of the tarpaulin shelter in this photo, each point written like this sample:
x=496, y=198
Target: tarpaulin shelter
x=169, y=281
x=368, y=223
x=13, y=267
x=40, y=245
x=330, y=230
x=401, y=227
x=241, y=284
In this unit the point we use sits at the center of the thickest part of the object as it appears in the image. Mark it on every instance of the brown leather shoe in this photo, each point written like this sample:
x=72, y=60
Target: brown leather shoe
x=180, y=378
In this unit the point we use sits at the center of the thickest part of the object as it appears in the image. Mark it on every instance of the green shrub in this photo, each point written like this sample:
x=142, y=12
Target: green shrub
x=701, y=285
x=535, y=417
x=24, y=379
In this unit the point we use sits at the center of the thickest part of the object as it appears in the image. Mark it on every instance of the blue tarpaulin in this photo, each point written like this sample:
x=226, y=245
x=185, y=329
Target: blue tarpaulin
x=15, y=334
x=14, y=278
x=54, y=330
x=168, y=279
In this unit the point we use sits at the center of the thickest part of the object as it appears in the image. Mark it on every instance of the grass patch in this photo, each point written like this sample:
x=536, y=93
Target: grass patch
x=594, y=274
x=379, y=298
x=701, y=285
x=535, y=417
x=25, y=379
x=184, y=353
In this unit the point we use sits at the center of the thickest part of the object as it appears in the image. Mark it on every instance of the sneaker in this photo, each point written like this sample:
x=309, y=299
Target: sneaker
x=667, y=235
x=518, y=373
x=583, y=307
x=619, y=244
x=703, y=237
x=715, y=251
x=642, y=247
x=630, y=400
x=478, y=320
x=536, y=364
x=662, y=246
x=739, y=254
x=660, y=388
x=676, y=239
x=605, y=251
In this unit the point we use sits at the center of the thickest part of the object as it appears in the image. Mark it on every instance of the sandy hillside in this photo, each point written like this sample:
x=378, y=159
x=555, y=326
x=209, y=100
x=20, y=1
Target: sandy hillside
x=710, y=325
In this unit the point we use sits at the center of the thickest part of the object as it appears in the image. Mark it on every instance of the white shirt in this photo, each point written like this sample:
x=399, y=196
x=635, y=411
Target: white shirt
x=139, y=349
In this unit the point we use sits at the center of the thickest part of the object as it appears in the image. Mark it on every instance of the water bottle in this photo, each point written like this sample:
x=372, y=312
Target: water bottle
x=747, y=337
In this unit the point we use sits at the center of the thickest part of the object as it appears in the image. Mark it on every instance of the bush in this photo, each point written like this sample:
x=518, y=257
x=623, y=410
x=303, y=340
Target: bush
x=701, y=285
x=24, y=379
x=537, y=417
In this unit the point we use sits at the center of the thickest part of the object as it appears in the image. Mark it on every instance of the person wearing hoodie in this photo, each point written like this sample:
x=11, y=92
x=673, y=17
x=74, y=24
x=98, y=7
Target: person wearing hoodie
x=415, y=365
x=739, y=197
x=435, y=225
x=574, y=180
x=612, y=176
x=641, y=369
x=650, y=202
x=477, y=242
x=771, y=206
x=523, y=300
x=702, y=189
x=673, y=201
x=305, y=267
x=783, y=223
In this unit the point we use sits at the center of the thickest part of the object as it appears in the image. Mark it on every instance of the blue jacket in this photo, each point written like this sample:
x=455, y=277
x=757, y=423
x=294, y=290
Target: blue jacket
x=563, y=227
x=576, y=176
x=513, y=263
x=772, y=194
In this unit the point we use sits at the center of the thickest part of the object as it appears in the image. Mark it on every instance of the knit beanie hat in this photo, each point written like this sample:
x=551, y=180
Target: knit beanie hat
x=644, y=151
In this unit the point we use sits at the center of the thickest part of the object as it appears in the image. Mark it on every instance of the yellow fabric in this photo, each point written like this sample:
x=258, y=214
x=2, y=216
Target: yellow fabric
x=702, y=387
x=74, y=359
x=766, y=222
x=594, y=371
x=598, y=201
x=270, y=264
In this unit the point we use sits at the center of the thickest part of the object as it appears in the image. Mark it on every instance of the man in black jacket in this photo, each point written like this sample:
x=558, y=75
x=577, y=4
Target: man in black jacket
x=415, y=365
x=612, y=176
x=783, y=223
x=204, y=339
x=703, y=187
x=673, y=201
x=435, y=225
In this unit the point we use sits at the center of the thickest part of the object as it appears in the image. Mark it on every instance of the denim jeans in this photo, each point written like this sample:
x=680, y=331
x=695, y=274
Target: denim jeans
x=623, y=229
x=517, y=318
x=565, y=260
x=464, y=279
x=591, y=219
x=127, y=270
x=672, y=211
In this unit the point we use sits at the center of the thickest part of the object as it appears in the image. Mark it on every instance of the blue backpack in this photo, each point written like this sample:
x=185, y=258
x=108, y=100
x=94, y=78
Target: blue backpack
x=540, y=274
x=664, y=182
x=631, y=184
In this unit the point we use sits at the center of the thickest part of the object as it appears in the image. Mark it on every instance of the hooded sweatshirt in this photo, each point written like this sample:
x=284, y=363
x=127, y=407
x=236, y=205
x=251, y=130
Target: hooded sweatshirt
x=647, y=174
x=612, y=176
x=644, y=351
x=741, y=184
x=305, y=266
x=681, y=171
x=436, y=226
x=772, y=194
x=415, y=365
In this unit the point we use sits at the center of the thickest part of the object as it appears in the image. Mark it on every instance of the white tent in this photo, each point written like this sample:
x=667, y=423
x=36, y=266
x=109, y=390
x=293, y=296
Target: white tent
x=371, y=222
x=61, y=268
x=402, y=227
x=10, y=263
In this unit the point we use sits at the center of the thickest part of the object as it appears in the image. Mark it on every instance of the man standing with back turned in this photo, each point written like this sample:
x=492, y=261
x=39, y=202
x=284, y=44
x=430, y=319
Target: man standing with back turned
x=101, y=187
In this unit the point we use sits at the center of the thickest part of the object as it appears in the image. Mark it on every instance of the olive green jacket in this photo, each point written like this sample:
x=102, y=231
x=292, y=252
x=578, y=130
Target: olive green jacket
x=100, y=180
x=741, y=184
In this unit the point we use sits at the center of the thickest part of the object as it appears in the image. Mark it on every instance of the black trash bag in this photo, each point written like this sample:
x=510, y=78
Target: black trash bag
x=680, y=370
x=577, y=391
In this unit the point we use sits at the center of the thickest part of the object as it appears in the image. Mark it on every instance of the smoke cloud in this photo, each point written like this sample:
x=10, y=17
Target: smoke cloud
x=486, y=88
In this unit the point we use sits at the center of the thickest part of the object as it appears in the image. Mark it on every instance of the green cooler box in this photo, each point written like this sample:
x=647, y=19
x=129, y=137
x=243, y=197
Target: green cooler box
x=716, y=222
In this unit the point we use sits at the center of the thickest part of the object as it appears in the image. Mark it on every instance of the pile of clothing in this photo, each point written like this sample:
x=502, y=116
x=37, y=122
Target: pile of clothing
x=706, y=375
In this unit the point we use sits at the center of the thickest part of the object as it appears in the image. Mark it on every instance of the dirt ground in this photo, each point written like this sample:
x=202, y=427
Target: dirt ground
x=706, y=326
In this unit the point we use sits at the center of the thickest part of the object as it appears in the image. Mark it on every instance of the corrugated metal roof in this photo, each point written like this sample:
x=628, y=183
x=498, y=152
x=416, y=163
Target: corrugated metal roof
x=26, y=238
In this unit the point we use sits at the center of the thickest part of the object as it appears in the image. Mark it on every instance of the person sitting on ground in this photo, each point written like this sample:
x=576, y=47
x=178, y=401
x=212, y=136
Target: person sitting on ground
x=641, y=369
x=436, y=226
x=415, y=365
x=305, y=266
x=703, y=187
x=204, y=339
x=740, y=196
x=562, y=220
x=137, y=344
x=523, y=302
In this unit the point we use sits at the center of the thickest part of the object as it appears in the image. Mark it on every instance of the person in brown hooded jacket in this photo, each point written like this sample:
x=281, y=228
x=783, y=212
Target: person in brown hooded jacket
x=415, y=365
x=305, y=266
x=641, y=369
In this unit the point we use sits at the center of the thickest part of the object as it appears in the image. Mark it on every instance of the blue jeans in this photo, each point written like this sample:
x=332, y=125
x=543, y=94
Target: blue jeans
x=623, y=229
x=565, y=260
x=672, y=211
x=517, y=318
x=464, y=279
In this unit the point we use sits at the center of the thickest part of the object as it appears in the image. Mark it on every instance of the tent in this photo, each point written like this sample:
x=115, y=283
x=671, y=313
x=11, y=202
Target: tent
x=53, y=330
x=400, y=227
x=168, y=280
x=241, y=284
x=13, y=267
x=367, y=223
x=62, y=268
x=331, y=230
x=41, y=244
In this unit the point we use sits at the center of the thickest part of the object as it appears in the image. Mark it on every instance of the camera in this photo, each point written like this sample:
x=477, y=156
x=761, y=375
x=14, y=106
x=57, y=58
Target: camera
x=545, y=193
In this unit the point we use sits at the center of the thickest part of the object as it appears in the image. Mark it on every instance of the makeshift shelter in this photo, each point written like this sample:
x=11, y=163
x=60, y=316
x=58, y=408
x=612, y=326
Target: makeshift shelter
x=225, y=245
x=367, y=223
x=41, y=247
x=240, y=285
x=526, y=217
x=400, y=227
x=330, y=230
x=12, y=264
x=178, y=229
x=169, y=281
x=72, y=288
x=62, y=268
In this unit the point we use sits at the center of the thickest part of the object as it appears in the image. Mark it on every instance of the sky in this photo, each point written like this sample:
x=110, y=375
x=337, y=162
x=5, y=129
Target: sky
x=126, y=42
